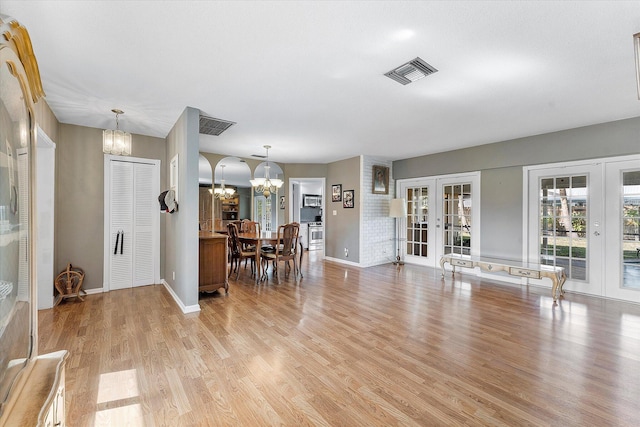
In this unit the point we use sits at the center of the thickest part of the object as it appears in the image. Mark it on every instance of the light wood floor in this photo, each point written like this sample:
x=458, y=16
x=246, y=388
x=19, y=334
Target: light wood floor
x=380, y=346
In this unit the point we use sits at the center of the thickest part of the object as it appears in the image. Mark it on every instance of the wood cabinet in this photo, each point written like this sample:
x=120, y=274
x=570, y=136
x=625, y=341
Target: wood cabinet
x=226, y=211
x=205, y=209
x=213, y=262
x=40, y=400
x=230, y=209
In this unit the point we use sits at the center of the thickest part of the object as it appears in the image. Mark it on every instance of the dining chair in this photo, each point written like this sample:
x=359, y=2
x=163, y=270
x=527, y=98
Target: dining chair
x=249, y=226
x=286, y=250
x=237, y=252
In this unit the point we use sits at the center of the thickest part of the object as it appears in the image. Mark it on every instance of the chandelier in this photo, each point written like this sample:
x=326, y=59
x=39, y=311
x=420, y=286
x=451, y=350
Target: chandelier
x=265, y=185
x=116, y=141
x=222, y=192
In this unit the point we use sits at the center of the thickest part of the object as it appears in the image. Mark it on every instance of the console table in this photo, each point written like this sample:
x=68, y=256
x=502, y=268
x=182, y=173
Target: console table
x=513, y=268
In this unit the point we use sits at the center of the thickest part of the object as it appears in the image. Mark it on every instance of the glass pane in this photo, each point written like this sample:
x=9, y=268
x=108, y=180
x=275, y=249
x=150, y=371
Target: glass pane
x=456, y=218
x=417, y=217
x=563, y=224
x=631, y=229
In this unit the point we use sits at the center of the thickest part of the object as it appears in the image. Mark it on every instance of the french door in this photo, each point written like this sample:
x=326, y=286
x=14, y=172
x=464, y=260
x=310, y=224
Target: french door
x=443, y=217
x=622, y=256
x=566, y=223
x=585, y=217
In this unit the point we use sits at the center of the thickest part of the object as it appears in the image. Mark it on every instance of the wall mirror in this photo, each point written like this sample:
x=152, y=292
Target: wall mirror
x=16, y=135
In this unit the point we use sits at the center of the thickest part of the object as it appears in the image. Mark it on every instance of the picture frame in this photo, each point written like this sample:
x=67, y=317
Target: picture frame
x=336, y=193
x=282, y=202
x=173, y=175
x=380, y=179
x=348, y=197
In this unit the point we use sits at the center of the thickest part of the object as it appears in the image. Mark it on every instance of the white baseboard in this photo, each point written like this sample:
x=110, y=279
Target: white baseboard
x=94, y=291
x=341, y=261
x=185, y=308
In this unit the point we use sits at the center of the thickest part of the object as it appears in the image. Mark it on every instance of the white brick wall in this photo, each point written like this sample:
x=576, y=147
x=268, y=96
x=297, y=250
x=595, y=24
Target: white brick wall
x=377, y=232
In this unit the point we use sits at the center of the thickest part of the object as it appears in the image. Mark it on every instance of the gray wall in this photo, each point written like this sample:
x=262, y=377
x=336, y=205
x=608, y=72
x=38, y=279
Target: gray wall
x=79, y=198
x=181, y=227
x=501, y=172
x=343, y=230
x=46, y=119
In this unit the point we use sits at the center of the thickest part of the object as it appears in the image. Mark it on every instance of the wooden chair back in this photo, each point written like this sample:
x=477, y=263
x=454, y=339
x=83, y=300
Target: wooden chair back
x=250, y=226
x=288, y=235
x=234, y=241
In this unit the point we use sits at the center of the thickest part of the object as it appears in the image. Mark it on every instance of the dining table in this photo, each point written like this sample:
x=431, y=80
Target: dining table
x=258, y=240
x=261, y=239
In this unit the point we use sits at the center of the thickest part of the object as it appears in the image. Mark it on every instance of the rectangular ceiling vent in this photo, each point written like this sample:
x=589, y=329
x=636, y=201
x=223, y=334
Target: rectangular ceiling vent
x=212, y=126
x=411, y=71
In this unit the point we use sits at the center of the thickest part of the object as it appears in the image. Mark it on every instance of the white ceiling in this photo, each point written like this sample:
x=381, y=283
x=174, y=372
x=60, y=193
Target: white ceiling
x=307, y=77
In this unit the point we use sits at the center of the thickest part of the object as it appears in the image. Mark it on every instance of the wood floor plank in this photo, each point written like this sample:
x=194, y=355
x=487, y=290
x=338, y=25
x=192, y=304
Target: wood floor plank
x=346, y=346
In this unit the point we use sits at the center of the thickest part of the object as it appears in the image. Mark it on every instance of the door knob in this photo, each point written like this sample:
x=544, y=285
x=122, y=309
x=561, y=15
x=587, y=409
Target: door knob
x=596, y=233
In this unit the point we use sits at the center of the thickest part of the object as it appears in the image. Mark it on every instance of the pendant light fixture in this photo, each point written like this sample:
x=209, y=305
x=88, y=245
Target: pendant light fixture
x=222, y=192
x=116, y=141
x=266, y=185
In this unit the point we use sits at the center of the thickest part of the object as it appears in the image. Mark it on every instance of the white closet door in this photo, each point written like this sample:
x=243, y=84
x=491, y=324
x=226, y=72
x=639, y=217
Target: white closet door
x=132, y=222
x=121, y=219
x=144, y=204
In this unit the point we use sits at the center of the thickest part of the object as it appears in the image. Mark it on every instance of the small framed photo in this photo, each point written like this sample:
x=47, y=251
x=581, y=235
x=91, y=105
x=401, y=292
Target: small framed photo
x=282, y=202
x=336, y=193
x=380, y=180
x=347, y=198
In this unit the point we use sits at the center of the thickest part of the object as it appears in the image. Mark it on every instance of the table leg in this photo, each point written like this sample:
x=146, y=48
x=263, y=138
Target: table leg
x=554, y=289
x=258, y=266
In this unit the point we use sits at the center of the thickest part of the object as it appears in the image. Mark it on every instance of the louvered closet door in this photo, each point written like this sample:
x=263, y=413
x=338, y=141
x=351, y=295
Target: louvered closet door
x=133, y=224
x=121, y=210
x=143, y=209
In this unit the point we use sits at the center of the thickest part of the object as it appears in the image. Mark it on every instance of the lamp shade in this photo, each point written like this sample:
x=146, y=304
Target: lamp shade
x=398, y=208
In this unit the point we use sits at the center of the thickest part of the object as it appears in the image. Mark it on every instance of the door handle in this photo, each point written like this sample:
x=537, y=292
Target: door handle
x=596, y=233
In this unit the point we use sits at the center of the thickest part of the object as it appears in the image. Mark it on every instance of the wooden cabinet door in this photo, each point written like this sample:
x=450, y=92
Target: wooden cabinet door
x=213, y=264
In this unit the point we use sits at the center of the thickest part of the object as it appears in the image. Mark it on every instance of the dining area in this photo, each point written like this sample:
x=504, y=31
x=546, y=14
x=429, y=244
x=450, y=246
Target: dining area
x=242, y=248
x=260, y=243
x=264, y=249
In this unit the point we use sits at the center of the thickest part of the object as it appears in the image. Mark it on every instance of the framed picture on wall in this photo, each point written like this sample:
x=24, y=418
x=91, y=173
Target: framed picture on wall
x=282, y=202
x=173, y=176
x=347, y=198
x=380, y=180
x=336, y=193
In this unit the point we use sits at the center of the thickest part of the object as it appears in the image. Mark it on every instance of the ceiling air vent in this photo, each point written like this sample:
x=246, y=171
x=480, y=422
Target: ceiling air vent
x=411, y=71
x=212, y=126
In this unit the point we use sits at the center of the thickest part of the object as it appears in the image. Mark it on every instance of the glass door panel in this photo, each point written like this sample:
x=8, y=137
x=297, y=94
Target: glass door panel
x=630, y=241
x=562, y=233
x=417, y=221
x=456, y=214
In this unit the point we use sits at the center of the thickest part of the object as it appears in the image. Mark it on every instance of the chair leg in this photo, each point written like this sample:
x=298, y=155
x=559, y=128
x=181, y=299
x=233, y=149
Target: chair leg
x=300, y=263
x=230, y=267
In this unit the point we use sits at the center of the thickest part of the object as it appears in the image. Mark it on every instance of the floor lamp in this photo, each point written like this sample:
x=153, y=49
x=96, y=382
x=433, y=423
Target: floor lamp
x=398, y=210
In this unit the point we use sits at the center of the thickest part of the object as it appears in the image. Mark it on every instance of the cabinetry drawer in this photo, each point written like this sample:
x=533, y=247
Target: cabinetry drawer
x=461, y=262
x=523, y=272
